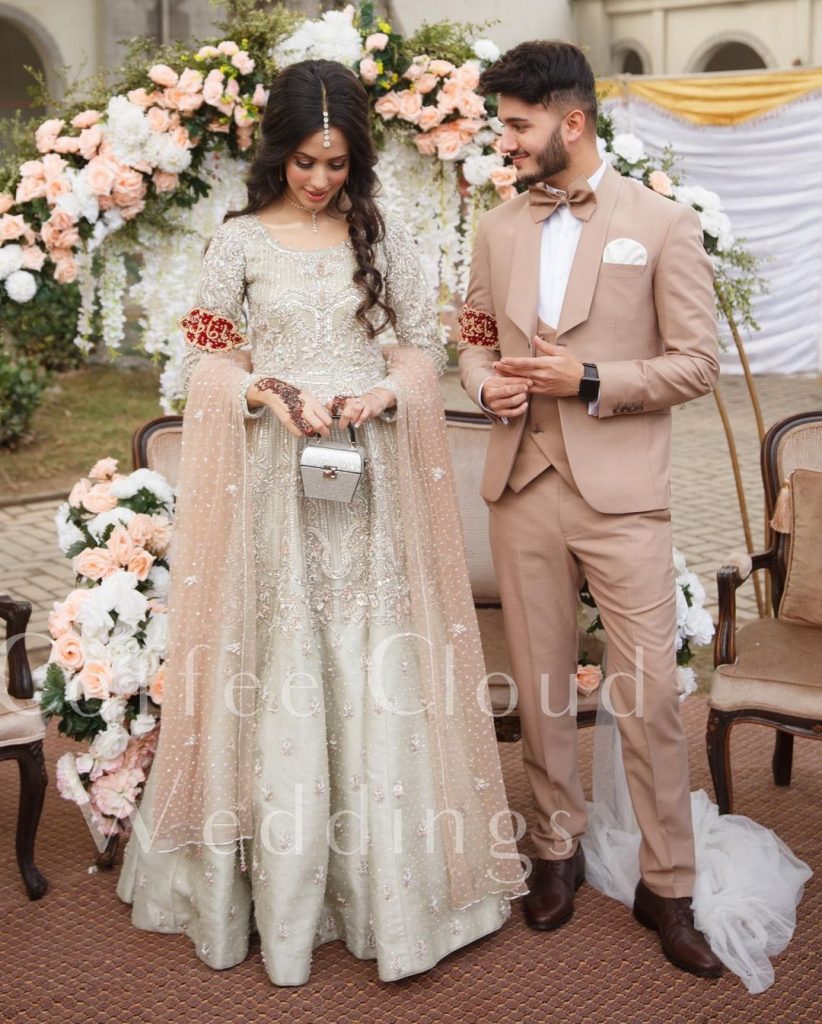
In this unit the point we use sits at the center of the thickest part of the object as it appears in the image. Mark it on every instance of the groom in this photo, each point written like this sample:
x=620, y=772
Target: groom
x=589, y=314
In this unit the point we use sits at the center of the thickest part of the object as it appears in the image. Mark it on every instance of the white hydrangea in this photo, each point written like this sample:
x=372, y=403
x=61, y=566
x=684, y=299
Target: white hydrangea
x=94, y=618
x=118, y=593
x=119, y=516
x=127, y=129
x=332, y=37
x=113, y=709
x=696, y=195
x=11, y=259
x=81, y=201
x=163, y=152
x=699, y=625
x=486, y=50
x=67, y=533
x=21, y=286
x=142, y=724
x=143, y=478
x=477, y=168
x=109, y=743
x=629, y=148
x=718, y=225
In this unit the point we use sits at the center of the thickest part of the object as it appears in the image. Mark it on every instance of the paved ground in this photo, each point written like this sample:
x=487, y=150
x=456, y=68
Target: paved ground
x=707, y=523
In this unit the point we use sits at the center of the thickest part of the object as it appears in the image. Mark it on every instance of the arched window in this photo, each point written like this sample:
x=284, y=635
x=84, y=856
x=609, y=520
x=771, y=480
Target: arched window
x=734, y=57
x=631, y=63
x=14, y=79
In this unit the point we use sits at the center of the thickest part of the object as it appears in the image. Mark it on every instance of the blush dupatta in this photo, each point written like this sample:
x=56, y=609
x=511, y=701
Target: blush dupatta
x=204, y=761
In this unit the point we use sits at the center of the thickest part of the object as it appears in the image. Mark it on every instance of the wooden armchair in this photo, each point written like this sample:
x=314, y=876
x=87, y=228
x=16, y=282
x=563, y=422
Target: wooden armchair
x=769, y=671
x=22, y=729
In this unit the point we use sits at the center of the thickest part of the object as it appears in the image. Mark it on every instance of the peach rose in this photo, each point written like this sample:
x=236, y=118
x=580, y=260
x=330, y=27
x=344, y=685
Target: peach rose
x=660, y=182
x=228, y=47
x=426, y=142
x=260, y=97
x=467, y=76
x=506, y=192
x=46, y=134
x=160, y=535
x=156, y=687
x=157, y=119
x=53, y=166
x=413, y=71
x=129, y=187
x=376, y=41
x=33, y=257
x=231, y=89
x=86, y=118
x=59, y=621
x=191, y=81
x=66, y=271
x=68, y=652
x=78, y=492
x=162, y=74
x=369, y=70
x=588, y=678
x=6, y=202
x=243, y=63
x=11, y=226
x=503, y=177
x=441, y=68
x=59, y=231
x=242, y=117
x=429, y=118
x=216, y=125
x=140, y=98
x=103, y=469
x=55, y=188
x=388, y=106
x=470, y=104
x=121, y=544
x=66, y=144
x=180, y=137
x=140, y=563
x=165, y=181
x=75, y=601
x=208, y=52
x=32, y=169
x=140, y=528
x=467, y=127
x=90, y=139
x=30, y=188
x=213, y=86
x=245, y=136
x=99, y=499
x=410, y=104
x=449, y=144
x=187, y=102
x=426, y=83
x=131, y=211
x=100, y=175
x=95, y=563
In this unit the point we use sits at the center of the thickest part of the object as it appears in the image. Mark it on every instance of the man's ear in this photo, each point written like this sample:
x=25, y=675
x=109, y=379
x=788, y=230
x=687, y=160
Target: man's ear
x=575, y=124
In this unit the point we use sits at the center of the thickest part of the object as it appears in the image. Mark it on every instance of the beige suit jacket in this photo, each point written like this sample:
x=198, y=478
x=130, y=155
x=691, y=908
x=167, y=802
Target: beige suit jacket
x=650, y=329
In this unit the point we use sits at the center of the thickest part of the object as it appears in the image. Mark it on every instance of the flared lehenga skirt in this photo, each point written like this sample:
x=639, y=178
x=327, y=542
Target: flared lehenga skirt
x=346, y=842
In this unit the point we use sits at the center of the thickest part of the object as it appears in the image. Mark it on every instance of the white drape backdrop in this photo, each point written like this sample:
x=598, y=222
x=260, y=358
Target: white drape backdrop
x=768, y=173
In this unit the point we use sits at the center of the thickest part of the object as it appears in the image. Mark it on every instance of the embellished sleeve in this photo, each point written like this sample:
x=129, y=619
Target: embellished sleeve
x=213, y=324
x=411, y=296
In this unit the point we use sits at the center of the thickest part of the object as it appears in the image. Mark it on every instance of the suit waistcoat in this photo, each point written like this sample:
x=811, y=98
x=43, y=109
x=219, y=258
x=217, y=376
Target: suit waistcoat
x=541, y=445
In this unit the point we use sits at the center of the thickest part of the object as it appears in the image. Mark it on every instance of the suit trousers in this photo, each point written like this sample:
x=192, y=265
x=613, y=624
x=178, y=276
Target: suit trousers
x=545, y=540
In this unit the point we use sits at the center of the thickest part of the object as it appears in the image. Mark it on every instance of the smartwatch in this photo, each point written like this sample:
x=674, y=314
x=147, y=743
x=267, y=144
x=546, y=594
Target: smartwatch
x=589, y=385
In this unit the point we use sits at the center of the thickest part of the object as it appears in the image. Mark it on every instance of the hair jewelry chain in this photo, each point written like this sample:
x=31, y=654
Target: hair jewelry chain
x=326, y=130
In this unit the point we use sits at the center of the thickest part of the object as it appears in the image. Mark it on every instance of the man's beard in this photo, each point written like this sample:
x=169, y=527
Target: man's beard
x=550, y=160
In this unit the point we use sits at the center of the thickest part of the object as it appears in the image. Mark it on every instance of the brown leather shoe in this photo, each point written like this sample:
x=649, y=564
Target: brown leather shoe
x=550, y=903
x=685, y=946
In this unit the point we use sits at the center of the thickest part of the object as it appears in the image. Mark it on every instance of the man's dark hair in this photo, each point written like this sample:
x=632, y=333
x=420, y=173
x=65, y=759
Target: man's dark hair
x=548, y=72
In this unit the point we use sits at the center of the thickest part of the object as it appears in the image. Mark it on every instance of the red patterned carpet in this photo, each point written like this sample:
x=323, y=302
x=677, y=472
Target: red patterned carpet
x=74, y=958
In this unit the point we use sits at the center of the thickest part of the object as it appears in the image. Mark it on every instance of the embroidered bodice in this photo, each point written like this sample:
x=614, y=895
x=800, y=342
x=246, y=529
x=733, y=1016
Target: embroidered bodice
x=298, y=308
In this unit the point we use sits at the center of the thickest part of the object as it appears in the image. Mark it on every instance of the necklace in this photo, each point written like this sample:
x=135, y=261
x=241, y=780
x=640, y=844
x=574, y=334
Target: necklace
x=305, y=209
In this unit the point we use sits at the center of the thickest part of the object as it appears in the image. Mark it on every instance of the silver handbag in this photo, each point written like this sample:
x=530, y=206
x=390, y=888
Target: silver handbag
x=331, y=469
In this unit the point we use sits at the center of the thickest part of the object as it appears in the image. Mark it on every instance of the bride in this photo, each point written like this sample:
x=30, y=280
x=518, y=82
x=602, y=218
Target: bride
x=327, y=767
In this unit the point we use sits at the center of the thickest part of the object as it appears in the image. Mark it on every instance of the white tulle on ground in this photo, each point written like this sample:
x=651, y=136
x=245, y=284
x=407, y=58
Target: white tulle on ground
x=748, y=882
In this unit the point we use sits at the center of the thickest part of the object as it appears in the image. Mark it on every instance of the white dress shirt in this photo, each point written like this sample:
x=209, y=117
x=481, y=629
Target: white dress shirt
x=558, y=246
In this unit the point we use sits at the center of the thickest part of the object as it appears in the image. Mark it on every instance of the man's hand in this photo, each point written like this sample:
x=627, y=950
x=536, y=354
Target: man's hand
x=556, y=372
x=506, y=396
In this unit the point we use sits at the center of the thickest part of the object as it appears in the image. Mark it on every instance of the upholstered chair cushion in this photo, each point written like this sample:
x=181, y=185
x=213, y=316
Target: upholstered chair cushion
x=20, y=721
x=802, y=597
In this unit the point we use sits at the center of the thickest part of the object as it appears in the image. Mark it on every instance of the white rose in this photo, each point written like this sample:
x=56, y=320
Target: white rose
x=94, y=617
x=699, y=625
x=696, y=195
x=157, y=632
x=486, y=50
x=629, y=147
x=11, y=259
x=113, y=709
x=142, y=724
x=686, y=681
x=67, y=533
x=21, y=286
x=109, y=743
x=143, y=478
x=119, y=515
x=159, y=579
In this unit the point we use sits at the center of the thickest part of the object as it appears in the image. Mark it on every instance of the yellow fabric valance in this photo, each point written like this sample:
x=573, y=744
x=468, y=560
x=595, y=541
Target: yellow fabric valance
x=716, y=99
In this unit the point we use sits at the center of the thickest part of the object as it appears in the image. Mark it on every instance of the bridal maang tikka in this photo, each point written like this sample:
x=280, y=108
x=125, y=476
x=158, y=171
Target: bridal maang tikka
x=326, y=129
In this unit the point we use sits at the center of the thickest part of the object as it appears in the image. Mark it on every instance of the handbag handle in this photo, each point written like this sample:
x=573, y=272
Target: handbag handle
x=352, y=437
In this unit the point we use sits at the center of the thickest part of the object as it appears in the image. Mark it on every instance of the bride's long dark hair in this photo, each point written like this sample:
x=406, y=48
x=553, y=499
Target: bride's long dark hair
x=293, y=112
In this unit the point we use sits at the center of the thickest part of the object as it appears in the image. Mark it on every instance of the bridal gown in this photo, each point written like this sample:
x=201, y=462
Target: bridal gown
x=342, y=847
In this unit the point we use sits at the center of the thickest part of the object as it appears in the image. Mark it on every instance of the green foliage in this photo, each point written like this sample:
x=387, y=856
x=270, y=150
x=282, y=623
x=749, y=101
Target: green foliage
x=44, y=329
x=22, y=382
x=445, y=40
x=257, y=26
x=79, y=719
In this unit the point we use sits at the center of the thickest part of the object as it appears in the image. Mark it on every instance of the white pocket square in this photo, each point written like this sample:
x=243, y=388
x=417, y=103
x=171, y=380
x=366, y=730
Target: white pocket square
x=625, y=250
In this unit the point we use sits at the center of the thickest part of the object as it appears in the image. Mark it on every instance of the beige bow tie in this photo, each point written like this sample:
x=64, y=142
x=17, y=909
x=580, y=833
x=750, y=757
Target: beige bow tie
x=580, y=199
